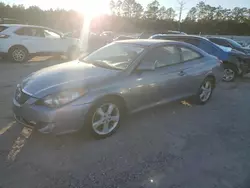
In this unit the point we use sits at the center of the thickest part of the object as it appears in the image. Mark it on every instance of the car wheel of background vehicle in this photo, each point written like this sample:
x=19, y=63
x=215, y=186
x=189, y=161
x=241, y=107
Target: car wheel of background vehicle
x=18, y=54
x=104, y=118
x=205, y=91
x=73, y=53
x=229, y=73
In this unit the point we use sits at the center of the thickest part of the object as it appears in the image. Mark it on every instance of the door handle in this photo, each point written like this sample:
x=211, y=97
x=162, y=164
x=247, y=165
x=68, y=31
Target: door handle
x=182, y=73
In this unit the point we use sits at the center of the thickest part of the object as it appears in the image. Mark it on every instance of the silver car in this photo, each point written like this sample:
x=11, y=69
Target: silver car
x=96, y=91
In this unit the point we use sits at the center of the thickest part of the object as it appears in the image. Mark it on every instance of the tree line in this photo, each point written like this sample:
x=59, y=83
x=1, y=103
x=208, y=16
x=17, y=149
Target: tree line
x=131, y=16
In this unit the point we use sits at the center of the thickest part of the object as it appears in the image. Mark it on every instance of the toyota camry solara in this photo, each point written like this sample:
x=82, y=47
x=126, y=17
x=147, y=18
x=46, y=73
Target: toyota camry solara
x=96, y=91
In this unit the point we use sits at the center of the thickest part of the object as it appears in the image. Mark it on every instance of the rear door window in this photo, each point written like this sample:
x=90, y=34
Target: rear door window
x=30, y=31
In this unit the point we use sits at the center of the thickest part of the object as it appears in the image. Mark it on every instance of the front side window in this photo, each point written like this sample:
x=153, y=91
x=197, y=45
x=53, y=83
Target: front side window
x=115, y=55
x=163, y=56
x=188, y=54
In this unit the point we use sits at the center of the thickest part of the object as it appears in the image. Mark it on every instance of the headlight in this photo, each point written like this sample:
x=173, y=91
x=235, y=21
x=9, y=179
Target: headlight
x=59, y=99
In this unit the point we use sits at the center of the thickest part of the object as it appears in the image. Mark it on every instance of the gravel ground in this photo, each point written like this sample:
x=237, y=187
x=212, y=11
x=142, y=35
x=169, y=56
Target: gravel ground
x=172, y=146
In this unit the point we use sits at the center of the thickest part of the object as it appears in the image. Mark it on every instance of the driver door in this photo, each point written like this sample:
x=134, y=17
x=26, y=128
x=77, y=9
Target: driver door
x=54, y=41
x=162, y=82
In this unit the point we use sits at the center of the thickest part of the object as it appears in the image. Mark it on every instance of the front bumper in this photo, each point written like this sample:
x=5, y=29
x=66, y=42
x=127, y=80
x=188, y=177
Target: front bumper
x=68, y=118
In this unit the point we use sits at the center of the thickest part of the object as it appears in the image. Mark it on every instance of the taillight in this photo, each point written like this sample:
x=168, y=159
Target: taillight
x=2, y=36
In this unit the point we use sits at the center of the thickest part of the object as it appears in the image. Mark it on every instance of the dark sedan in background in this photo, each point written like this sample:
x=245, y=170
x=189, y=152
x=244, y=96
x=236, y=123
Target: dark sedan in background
x=229, y=43
x=124, y=76
x=235, y=63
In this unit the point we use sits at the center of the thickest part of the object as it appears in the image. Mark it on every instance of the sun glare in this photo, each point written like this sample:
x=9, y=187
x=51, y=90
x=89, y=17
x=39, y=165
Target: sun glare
x=93, y=8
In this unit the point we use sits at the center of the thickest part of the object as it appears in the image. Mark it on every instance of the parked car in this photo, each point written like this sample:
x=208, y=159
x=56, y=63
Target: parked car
x=108, y=36
x=96, y=91
x=77, y=34
x=10, y=21
x=229, y=43
x=146, y=35
x=122, y=37
x=235, y=62
x=21, y=42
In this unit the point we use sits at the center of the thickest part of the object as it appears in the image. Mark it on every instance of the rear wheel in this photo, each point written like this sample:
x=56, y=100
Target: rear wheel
x=229, y=73
x=18, y=54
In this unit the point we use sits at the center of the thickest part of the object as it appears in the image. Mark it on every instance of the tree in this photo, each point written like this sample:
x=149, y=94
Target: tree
x=240, y=14
x=161, y=14
x=192, y=14
x=152, y=10
x=132, y=9
x=170, y=14
x=116, y=7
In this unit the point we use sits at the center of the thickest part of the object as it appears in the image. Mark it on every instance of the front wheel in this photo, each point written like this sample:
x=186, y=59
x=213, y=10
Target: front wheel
x=18, y=54
x=104, y=118
x=205, y=91
x=229, y=73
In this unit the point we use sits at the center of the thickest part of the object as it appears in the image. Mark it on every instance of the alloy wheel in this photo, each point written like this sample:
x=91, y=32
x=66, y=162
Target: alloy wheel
x=18, y=55
x=228, y=74
x=206, y=91
x=105, y=119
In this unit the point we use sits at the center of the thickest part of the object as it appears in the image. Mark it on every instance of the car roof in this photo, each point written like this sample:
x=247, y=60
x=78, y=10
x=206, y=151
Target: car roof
x=152, y=43
x=218, y=38
x=181, y=36
x=146, y=42
x=21, y=25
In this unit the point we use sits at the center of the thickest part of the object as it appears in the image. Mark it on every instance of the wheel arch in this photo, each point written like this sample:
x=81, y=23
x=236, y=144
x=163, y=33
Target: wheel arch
x=225, y=63
x=116, y=97
x=18, y=45
x=213, y=78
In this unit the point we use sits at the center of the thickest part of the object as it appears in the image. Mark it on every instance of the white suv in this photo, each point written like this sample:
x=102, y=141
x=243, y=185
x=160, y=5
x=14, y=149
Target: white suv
x=22, y=42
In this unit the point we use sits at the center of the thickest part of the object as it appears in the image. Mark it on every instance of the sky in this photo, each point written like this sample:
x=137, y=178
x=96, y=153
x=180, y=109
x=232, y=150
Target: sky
x=99, y=6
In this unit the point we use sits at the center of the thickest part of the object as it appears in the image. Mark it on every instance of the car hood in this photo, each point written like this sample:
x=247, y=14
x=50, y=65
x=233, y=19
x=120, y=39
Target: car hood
x=234, y=51
x=64, y=76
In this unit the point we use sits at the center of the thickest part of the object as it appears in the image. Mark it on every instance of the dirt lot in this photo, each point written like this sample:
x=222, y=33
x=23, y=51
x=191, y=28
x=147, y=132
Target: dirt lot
x=170, y=146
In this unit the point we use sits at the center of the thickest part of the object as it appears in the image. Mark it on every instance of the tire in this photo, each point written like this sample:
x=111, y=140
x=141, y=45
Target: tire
x=205, y=91
x=18, y=54
x=104, y=118
x=229, y=73
x=73, y=53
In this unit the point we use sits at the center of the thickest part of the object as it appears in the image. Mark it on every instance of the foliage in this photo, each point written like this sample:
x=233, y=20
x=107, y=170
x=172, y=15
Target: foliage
x=131, y=16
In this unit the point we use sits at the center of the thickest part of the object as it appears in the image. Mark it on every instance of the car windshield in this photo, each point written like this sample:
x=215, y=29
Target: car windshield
x=114, y=56
x=236, y=44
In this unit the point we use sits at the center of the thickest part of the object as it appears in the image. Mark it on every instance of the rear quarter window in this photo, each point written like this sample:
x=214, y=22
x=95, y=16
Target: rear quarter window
x=2, y=28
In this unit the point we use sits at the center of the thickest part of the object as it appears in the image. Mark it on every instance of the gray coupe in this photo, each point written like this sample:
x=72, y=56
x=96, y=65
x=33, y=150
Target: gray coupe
x=96, y=91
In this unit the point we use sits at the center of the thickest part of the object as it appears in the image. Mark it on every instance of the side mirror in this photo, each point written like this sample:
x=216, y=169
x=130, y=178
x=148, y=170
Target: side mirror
x=146, y=66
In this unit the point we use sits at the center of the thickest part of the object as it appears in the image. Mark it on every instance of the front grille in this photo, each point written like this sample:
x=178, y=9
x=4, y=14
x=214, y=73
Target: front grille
x=21, y=97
